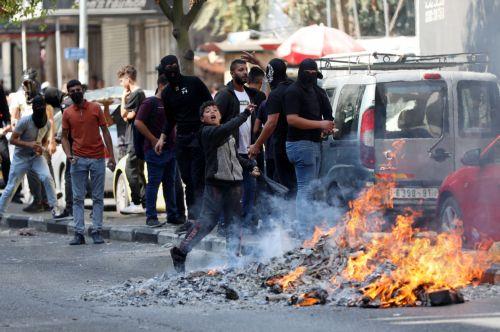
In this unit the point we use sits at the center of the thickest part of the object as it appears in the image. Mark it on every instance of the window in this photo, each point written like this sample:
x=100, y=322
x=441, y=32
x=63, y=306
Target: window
x=478, y=110
x=347, y=112
x=411, y=109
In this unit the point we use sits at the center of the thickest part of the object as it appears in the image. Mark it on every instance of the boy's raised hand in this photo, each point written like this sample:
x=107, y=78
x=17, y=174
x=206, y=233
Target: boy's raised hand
x=251, y=108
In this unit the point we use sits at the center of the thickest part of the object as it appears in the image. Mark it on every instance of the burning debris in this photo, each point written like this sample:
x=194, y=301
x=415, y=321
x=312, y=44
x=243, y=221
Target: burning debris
x=351, y=264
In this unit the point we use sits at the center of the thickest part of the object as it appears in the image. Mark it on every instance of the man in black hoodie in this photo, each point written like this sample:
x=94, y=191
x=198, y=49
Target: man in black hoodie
x=182, y=99
x=223, y=177
x=233, y=100
x=309, y=114
x=276, y=125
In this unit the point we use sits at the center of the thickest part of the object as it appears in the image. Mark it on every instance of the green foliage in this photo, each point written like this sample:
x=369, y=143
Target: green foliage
x=12, y=11
x=222, y=17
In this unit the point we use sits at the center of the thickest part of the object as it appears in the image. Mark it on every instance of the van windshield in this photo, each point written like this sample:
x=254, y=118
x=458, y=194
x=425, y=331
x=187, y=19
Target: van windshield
x=410, y=109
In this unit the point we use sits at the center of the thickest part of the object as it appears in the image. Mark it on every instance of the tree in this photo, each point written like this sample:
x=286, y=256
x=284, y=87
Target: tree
x=223, y=17
x=11, y=11
x=181, y=22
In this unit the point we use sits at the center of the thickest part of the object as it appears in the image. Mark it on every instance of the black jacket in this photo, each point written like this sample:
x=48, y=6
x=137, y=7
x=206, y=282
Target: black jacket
x=4, y=109
x=229, y=105
x=223, y=165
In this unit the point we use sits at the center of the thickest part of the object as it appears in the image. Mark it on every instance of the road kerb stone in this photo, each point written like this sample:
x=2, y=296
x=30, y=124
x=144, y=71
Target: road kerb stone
x=146, y=235
x=121, y=233
x=38, y=224
x=165, y=237
x=59, y=227
x=14, y=221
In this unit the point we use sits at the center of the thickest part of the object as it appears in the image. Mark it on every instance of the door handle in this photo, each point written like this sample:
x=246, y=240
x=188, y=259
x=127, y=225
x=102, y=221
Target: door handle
x=439, y=155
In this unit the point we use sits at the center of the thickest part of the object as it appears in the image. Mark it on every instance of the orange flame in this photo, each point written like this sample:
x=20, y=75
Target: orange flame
x=315, y=238
x=287, y=281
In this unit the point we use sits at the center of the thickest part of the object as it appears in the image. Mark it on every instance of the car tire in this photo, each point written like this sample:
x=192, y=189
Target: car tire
x=121, y=198
x=448, y=214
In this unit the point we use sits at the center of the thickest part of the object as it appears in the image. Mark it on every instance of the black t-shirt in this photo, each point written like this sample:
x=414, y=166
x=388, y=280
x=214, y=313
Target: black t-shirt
x=132, y=104
x=275, y=105
x=262, y=116
x=309, y=103
x=182, y=104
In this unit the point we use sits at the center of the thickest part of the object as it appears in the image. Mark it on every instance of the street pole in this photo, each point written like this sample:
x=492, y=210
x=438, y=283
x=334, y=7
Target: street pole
x=24, y=46
x=83, y=64
x=58, y=54
x=386, y=18
x=329, y=13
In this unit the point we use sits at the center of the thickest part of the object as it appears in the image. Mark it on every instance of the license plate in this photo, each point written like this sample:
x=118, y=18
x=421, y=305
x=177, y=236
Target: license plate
x=415, y=193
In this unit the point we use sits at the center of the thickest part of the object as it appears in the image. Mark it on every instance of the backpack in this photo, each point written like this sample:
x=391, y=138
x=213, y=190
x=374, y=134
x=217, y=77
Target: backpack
x=138, y=137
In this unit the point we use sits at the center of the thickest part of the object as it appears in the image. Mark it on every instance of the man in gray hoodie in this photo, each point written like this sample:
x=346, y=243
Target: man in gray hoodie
x=223, y=178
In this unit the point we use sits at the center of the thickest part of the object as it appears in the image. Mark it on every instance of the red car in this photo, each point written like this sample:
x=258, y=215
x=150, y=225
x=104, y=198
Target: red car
x=472, y=194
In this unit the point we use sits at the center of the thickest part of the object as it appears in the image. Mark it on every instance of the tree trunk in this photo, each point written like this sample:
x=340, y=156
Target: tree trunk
x=183, y=49
x=340, y=15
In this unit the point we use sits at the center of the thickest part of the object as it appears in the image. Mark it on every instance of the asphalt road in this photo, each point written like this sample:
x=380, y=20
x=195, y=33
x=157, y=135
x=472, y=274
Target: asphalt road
x=42, y=279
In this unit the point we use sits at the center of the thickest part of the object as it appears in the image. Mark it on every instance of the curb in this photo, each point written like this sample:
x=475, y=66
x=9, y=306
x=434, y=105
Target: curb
x=123, y=233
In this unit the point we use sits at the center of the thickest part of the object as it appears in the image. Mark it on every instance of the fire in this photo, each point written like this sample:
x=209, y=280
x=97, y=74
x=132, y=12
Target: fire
x=286, y=282
x=318, y=232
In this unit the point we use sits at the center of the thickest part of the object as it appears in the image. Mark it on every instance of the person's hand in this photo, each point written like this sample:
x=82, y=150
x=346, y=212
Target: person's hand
x=52, y=147
x=130, y=116
x=37, y=148
x=154, y=142
x=251, y=108
x=253, y=151
x=1, y=133
x=72, y=160
x=326, y=125
x=250, y=58
x=255, y=172
x=111, y=164
x=159, y=145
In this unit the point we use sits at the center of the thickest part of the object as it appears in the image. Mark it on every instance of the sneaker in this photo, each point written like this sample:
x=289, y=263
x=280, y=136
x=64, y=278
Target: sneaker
x=56, y=212
x=64, y=214
x=185, y=228
x=96, y=236
x=34, y=208
x=179, y=259
x=176, y=221
x=17, y=200
x=154, y=223
x=133, y=209
x=77, y=240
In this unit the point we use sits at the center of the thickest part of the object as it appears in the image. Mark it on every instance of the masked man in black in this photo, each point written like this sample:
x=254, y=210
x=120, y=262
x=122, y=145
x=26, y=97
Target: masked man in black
x=182, y=99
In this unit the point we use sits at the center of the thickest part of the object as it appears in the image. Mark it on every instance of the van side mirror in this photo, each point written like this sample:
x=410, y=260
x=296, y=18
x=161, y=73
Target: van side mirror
x=472, y=157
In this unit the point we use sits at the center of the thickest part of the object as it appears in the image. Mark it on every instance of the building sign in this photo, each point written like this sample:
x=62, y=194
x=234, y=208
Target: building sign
x=116, y=4
x=75, y=53
x=433, y=10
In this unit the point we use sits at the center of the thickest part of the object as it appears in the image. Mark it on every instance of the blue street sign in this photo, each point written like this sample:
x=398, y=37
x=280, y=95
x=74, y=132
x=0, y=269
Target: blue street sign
x=75, y=53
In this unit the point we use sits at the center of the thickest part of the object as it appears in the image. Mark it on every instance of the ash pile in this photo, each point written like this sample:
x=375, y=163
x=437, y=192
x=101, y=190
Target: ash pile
x=351, y=264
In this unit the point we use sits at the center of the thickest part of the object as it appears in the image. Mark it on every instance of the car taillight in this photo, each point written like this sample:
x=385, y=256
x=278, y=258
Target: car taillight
x=432, y=76
x=367, y=138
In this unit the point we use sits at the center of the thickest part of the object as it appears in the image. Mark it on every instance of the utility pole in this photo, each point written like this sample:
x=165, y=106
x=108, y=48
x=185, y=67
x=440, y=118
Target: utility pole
x=24, y=45
x=386, y=18
x=329, y=13
x=83, y=64
x=58, y=54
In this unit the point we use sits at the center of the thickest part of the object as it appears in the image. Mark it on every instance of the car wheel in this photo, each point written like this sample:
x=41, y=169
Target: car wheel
x=450, y=215
x=121, y=197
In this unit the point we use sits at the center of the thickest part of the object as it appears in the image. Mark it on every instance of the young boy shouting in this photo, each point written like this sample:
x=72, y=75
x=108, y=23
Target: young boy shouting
x=223, y=178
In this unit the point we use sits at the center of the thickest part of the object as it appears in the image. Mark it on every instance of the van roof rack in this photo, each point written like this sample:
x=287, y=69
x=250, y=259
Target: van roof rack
x=389, y=61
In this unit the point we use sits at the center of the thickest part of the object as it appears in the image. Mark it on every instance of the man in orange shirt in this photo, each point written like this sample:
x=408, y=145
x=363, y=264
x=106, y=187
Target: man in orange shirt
x=82, y=120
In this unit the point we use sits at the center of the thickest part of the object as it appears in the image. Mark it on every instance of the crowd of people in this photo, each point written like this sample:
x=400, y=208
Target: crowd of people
x=207, y=149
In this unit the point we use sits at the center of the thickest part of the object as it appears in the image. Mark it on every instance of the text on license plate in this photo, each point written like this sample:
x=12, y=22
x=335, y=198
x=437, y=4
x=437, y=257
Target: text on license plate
x=417, y=193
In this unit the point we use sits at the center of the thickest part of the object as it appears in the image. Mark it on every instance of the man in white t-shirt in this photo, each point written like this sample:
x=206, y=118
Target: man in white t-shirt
x=231, y=101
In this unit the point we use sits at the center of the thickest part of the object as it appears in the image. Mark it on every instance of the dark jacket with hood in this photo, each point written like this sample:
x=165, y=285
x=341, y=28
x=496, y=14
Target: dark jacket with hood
x=229, y=105
x=223, y=165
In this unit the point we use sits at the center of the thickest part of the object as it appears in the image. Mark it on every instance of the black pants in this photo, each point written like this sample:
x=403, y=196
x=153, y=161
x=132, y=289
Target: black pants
x=191, y=164
x=217, y=200
x=134, y=169
x=36, y=187
x=270, y=169
x=284, y=170
x=4, y=154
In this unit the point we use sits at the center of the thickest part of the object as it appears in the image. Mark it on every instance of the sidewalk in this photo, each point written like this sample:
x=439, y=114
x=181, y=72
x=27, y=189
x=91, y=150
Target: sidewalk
x=116, y=227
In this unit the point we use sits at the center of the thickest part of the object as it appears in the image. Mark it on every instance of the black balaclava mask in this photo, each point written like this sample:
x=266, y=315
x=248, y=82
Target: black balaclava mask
x=276, y=72
x=306, y=78
x=173, y=74
x=39, y=115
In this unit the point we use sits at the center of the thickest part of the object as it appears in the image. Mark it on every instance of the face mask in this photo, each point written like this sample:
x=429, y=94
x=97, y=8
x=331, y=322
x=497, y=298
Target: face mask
x=39, y=115
x=307, y=79
x=173, y=75
x=76, y=97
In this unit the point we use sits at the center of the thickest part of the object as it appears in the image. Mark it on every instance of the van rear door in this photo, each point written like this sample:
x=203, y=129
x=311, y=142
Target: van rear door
x=413, y=142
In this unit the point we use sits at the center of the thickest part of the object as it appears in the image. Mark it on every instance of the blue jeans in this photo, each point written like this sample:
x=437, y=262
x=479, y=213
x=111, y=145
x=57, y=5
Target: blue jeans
x=161, y=170
x=19, y=167
x=80, y=172
x=248, y=197
x=305, y=156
